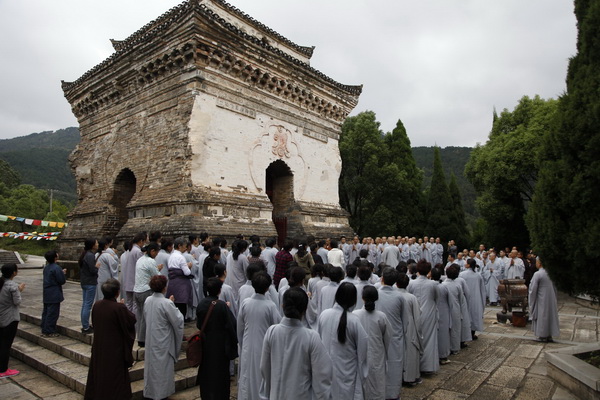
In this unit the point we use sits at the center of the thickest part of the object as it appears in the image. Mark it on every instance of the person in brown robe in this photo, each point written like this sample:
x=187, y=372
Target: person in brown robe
x=114, y=335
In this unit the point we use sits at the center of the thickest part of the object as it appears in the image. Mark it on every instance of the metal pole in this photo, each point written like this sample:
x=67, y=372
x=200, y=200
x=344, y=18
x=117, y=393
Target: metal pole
x=50, y=200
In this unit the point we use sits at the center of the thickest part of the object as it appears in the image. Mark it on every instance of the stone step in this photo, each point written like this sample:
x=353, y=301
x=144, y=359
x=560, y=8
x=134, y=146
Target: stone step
x=10, y=257
x=73, y=330
x=73, y=373
x=80, y=352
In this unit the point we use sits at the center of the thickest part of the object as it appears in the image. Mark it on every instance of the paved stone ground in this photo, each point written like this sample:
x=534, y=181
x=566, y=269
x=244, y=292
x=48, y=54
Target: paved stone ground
x=505, y=363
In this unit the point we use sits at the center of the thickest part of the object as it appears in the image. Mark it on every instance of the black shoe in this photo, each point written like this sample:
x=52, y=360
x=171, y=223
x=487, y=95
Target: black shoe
x=141, y=344
x=473, y=335
x=463, y=345
x=87, y=331
x=444, y=361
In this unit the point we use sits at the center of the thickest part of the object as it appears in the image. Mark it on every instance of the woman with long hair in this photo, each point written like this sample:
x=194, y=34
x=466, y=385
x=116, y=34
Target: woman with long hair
x=379, y=330
x=88, y=278
x=347, y=343
x=236, y=266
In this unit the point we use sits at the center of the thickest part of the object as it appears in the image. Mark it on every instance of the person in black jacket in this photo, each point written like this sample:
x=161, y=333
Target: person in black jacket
x=54, y=278
x=218, y=346
x=88, y=277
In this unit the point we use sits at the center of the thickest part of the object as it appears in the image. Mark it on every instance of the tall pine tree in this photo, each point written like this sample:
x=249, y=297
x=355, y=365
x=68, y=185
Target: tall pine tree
x=564, y=218
x=407, y=204
x=440, y=210
x=458, y=221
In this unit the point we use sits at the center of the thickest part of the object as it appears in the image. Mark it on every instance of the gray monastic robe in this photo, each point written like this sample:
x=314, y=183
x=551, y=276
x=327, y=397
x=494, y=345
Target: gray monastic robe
x=456, y=299
x=543, y=306
x=391, y=256
x=236, y=272
x=312, y=314
x=109, y=268
x=413, y=341
x=464, y=310
x=379, y=331
x=227, y=296
x=163, y=258
x=475, y=297
x=445, y=321
x=390, y=303
x=164, y=333
x=255, y=317
x=196, y=281
x=492, y=274
x=426, y=292
x=426, y=251
x=349, y=359
x=294, y=363
x=360, y=285
x=326, y=298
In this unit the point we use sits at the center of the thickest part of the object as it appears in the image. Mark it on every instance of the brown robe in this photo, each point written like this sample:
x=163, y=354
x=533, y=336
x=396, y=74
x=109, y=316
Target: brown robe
x=114, y=334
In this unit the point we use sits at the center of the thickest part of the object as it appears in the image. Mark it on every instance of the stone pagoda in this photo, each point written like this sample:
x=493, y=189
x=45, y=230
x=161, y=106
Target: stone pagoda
x=207, y=120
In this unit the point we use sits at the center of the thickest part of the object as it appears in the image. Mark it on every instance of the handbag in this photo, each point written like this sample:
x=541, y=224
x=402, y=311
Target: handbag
x=194, y=349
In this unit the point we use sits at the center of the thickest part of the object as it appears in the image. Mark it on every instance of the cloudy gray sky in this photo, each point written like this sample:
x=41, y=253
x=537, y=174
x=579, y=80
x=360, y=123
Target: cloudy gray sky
x=438, y=65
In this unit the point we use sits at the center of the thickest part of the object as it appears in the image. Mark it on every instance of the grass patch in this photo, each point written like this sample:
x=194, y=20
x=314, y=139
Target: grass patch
x=591, y=357
x=33, y=247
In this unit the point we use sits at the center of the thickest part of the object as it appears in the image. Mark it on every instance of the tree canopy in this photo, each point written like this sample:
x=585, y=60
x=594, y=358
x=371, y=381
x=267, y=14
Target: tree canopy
x=380, y=185
x=564, y=217
x=504, y=170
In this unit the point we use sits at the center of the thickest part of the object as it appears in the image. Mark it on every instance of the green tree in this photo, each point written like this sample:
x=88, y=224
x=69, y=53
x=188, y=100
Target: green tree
x=405, y=199
x=504, y=170
x=8, y=175
x=564, y=217
x=379, y=182
x=440, y=210
x=458, y=217
x=360, y=147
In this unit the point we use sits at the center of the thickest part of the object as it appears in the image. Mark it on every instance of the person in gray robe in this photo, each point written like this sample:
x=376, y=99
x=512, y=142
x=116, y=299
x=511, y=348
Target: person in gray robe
x=390, y=303
x=467, y=334
x=226, y=294
x=108, y=265
x=347, y=343
x=363, y=274
x=543, y=306
x=514, y=268
x=166, y=247
x=128, y=273
x=196, y=281
x=426, y=293
x=475, y=296
x=379, y=330
x=237, y=263
x=444, y=317
x=413, y=340
x=294, y=362
x=164, y=334
x=426, y=250
x=326, y=295
x=492, y=275
x=255, y=317
x=438, y=255
x=456, y=300
x=391, y=254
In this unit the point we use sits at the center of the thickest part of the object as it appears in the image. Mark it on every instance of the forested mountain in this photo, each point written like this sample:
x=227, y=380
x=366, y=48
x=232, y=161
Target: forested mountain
x=454, y=160
x=41, y=159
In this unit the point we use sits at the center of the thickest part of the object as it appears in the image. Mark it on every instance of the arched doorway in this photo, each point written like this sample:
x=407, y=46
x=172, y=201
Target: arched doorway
x=123, y=191
x=280, y=190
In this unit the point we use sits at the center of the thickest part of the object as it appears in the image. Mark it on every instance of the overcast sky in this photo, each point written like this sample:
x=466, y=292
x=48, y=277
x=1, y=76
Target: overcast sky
x=438, y=65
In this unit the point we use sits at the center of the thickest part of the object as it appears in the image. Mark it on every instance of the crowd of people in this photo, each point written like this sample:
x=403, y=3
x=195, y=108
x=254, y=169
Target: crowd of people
x=312, y=319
